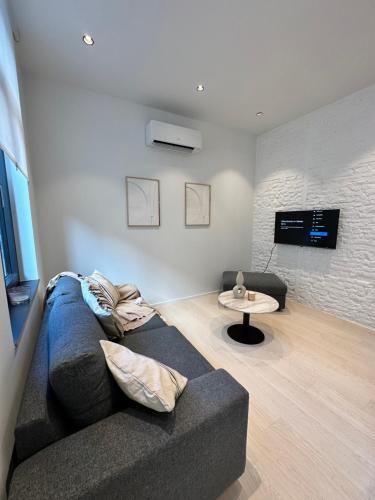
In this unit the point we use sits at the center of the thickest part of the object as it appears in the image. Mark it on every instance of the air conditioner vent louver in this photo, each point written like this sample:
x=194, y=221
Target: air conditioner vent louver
x=176, y=146
x=166, y=135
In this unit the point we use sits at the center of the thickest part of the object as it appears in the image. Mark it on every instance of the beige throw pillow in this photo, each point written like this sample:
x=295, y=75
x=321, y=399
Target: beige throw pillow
x=106, y=314
x=102, y=298
x=144, y=379
x=105, y=287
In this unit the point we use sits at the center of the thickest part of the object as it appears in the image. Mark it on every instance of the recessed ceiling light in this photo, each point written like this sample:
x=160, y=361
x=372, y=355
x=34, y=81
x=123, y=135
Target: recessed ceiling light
x=200, y=87
x=88, y=39
x=259, y=114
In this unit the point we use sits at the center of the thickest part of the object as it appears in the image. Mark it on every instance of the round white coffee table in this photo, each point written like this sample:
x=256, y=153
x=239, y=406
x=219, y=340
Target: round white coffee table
x=246, y=333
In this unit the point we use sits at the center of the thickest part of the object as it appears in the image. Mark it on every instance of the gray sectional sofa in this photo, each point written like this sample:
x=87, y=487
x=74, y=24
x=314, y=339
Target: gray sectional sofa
x=79, y=437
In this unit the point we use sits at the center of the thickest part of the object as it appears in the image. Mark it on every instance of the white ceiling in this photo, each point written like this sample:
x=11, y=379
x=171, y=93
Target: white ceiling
x=283, y=57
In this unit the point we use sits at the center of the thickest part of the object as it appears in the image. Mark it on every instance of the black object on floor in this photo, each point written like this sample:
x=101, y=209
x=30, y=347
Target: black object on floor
x=245, y=333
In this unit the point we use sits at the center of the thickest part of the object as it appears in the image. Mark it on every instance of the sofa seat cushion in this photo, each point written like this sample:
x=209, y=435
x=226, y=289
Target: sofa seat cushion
x=167, y=345
x=155, y=322
x=78, y=371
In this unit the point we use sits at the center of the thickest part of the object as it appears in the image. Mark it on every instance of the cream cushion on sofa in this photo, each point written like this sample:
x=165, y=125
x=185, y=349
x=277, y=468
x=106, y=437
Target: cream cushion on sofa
x=105, y=313
x=105, y=286
x=144, y=379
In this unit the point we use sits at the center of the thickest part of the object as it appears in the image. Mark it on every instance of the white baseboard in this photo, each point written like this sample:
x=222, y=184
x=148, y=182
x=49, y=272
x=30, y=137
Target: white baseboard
x=184, y=298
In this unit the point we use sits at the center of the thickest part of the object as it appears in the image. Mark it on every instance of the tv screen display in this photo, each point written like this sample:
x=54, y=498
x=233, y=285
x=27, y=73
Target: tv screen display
x=312, y=228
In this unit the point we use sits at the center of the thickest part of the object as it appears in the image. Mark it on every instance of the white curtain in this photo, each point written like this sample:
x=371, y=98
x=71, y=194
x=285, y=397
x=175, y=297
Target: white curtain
x=11, y=128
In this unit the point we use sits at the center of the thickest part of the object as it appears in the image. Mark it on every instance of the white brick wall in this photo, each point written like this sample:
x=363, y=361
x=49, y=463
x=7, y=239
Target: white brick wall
x=325, y=159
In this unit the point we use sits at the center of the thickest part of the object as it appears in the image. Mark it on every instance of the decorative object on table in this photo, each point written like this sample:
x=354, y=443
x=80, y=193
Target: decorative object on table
x=267, y=283
x=239, y=290
x=197, y=204
x=143, y=202
x=245, y=333
x=19, y=295
x=251, y=296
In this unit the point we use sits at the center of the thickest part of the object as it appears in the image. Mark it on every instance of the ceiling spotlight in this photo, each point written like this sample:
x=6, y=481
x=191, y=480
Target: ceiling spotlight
x=88, y=39
x=259, y=114
x=200, y=87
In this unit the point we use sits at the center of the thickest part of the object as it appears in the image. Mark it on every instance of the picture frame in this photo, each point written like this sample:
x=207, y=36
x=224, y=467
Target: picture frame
x=197, y=204
x=142, y=202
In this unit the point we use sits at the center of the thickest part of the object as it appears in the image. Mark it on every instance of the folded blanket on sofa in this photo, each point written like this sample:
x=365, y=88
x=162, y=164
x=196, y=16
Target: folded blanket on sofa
x=130, y=309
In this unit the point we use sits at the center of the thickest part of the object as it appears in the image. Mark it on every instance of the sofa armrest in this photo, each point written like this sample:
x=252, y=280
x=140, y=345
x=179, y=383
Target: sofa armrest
x=195, y=452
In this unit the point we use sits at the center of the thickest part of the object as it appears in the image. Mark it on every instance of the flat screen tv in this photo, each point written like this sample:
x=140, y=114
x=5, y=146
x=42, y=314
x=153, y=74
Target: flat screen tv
x=311, y=228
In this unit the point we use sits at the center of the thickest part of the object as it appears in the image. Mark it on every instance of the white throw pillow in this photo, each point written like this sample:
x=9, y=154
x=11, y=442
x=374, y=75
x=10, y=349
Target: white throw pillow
x=144, y=379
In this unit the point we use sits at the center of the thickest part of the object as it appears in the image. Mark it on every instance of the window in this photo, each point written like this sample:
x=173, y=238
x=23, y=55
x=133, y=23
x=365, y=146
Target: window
x=7, y=241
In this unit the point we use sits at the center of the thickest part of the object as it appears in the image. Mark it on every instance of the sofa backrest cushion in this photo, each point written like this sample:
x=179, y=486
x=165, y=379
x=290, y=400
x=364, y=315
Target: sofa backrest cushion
x=66, y=287
x=78, y=372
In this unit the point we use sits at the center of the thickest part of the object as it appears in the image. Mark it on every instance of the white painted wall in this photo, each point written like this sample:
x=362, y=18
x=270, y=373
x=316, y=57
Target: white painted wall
x=11, y=125
x=83, y=144
x=14, y=363
x=325, y=159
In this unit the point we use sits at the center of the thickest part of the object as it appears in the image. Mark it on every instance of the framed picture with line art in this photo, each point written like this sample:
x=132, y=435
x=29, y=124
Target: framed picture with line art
x=197, y=204
x=142, y=202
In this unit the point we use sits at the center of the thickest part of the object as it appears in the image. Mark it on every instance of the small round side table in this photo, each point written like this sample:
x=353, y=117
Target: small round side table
x=246, y=333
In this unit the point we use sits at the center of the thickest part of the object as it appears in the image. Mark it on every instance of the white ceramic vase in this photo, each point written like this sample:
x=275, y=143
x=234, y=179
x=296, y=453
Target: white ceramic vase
x=239, y=290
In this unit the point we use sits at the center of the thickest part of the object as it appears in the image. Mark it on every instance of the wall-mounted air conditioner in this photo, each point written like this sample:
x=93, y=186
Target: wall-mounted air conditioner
x=166, y=135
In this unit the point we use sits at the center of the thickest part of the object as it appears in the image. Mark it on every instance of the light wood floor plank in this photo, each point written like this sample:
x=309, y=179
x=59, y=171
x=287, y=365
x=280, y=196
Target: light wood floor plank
x=312, y=398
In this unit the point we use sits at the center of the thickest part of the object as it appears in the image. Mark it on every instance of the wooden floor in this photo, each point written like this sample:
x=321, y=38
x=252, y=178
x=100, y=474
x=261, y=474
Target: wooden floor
x=312, y=398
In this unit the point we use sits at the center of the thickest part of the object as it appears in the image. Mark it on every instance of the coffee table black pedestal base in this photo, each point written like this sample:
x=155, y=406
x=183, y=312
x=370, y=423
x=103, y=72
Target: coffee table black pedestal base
x=245, y=333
